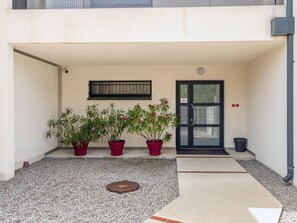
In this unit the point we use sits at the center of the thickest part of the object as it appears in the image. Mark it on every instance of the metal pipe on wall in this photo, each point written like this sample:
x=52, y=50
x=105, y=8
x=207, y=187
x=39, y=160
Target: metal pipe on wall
x=290, y=100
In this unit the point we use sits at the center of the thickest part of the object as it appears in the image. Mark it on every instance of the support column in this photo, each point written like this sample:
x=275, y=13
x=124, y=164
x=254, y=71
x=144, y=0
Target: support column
x=60, y=72
x=6, y=111
x=7, y=165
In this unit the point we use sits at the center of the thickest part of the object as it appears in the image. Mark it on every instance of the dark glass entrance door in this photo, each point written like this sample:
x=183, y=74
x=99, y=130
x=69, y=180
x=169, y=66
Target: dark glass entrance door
x=201, y=108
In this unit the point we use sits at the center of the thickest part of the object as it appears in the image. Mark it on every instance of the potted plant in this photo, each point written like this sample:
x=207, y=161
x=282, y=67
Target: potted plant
x=152, y=123
x=115, y=121
x=75, y=130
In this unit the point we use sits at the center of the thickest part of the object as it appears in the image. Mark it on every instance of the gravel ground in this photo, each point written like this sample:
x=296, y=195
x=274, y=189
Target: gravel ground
x=286, y=194
x=73, y=190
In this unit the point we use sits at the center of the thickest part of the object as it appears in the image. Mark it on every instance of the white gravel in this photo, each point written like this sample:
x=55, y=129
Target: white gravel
x=286, y=194
x=73, y=190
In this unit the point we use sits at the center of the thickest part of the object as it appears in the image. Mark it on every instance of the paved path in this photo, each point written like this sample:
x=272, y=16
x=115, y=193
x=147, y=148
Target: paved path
x=216, y=189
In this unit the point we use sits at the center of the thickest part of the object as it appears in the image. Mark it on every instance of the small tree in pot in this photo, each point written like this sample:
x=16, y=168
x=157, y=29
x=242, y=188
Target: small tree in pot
x=76, y=130
x=115, y=121
x=152, y=123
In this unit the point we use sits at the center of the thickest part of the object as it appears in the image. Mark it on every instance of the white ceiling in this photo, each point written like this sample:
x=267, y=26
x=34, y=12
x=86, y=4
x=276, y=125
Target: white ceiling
x=150, y=53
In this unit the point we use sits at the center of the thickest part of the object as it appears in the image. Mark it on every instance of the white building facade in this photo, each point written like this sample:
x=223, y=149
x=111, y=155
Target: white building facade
x=161, y=41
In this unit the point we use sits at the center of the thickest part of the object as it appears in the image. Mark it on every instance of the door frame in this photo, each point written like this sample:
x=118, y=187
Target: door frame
x=190, y=113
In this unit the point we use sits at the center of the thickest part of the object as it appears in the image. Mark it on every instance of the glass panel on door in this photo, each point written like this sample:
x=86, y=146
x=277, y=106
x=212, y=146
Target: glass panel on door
x=184, y=93
x=207, y=115
x=206, y=136
x=184, y=136
x=184, y=115
x=206, y=93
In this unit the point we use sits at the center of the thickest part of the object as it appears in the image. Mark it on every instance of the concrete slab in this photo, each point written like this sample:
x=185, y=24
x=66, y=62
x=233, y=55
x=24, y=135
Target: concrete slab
x=240, y=187
x=151, y=221
x=240, y=156
x=105, y=153
x=193, y=209
x=208, y=165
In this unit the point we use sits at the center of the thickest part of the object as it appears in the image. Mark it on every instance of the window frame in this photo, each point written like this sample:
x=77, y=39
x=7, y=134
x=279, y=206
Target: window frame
x=108, y=93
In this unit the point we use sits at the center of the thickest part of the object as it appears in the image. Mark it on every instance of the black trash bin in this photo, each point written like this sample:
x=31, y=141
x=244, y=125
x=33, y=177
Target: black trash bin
x=240, y=144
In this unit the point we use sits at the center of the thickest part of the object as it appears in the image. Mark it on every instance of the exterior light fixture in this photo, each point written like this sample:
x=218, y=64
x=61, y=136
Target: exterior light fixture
x=65, y=69
x=200, y=70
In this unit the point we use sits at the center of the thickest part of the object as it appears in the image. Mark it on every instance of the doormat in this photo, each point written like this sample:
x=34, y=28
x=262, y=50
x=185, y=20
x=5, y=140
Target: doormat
x=202, y=151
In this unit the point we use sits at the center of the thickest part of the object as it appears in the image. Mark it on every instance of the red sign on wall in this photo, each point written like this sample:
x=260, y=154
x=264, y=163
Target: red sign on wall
x=235, y=105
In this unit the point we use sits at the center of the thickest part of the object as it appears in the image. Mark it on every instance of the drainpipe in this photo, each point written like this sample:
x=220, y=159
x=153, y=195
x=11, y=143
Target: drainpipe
x=285, y=26
x=290, y=99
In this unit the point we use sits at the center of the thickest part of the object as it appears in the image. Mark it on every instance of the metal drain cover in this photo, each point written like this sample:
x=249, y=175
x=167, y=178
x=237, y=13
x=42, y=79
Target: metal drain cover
x=122, y=186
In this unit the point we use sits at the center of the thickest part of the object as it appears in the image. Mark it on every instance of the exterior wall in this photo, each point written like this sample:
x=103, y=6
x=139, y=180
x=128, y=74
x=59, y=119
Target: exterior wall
x=36, y=101
x=152, y=24
x=75, y=91
x=6, y=104
x=266, y=109
x=6, y=111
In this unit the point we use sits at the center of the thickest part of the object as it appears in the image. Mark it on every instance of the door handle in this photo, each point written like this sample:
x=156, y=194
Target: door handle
x=194, y=115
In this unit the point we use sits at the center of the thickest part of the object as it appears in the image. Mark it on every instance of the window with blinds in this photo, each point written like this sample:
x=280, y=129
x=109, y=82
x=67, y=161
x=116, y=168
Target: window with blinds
x=58, y=4
x=120, y=90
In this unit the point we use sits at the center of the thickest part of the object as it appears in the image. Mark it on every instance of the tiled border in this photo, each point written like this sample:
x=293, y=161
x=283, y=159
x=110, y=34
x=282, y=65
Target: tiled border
x=157, y=218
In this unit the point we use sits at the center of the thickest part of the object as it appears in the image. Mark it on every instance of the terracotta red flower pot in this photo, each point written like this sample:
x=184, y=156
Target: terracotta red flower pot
x=80, y=150
x=116, y=147
x=154, y=147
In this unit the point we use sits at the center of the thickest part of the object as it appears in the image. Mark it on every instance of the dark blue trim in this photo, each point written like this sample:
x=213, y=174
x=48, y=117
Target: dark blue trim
x=190, y=85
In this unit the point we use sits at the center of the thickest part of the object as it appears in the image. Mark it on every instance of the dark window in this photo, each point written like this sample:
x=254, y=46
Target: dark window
x=19, y=4
x=120, y=90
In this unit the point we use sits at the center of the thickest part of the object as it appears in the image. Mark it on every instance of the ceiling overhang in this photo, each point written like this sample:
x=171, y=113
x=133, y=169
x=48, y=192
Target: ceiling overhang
x=177, y=53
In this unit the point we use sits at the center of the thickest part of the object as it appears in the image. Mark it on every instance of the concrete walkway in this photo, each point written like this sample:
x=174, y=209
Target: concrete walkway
x=216, y=189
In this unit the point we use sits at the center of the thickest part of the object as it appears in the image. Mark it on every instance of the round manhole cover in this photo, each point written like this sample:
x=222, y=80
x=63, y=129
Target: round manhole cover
x=122, y=186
